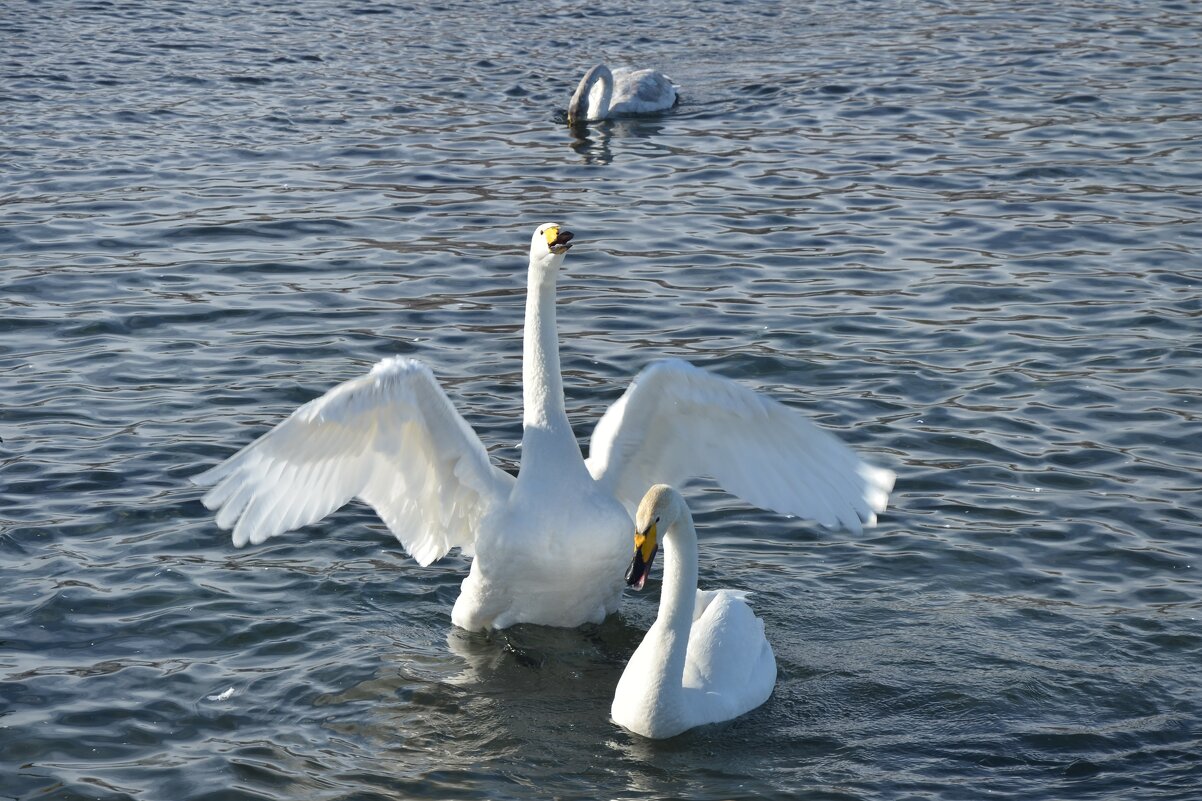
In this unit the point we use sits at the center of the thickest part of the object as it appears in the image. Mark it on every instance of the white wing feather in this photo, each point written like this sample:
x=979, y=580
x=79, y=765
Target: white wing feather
x=677, y=422
x=391, y=438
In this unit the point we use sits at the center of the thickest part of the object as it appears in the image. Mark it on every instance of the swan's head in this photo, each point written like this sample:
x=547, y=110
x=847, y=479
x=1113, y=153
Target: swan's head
x=549, y=244
x=659, y=509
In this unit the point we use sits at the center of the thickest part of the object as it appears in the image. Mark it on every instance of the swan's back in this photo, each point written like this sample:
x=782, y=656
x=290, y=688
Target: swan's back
x=729, y=666
x=641, y=92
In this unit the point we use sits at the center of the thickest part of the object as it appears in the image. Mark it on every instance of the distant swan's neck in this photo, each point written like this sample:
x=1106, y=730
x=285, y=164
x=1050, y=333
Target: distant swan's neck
x=583, y=107
x=542, y=387
x=677, y=600
x=606, y=79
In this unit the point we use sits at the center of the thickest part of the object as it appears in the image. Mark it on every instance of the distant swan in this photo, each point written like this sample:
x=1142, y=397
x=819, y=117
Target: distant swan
x=603, y=94
x=550, y=546
x=705, y=659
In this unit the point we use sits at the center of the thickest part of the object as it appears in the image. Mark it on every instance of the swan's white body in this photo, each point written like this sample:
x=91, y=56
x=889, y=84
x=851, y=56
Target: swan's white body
x=550, y=545
x=602, y=94
x=705, y=659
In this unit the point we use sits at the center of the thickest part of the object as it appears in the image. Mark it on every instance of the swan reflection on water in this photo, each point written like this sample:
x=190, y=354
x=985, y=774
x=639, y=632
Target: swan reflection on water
x=592, y=140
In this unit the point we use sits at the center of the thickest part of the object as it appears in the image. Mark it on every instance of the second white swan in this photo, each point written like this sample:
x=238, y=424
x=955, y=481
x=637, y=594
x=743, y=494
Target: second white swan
x=705, y=659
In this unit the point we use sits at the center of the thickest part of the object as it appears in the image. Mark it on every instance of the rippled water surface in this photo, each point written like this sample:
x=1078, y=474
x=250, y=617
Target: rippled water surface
x=963, y=236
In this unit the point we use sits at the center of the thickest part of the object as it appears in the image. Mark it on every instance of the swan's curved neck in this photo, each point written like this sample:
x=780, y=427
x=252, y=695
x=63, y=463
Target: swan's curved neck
x=542, y=387
x=677, y=598
x=581, y=108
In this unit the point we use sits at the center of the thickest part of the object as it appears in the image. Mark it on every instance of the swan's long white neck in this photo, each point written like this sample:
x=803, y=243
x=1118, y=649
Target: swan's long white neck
x=678, y=597
x=606, y=78
x=581, y=107
x=545, y=422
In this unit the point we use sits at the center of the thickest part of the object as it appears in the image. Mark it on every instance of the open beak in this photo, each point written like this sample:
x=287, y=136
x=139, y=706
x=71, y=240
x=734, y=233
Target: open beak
x=645, y=549
x=561, y=242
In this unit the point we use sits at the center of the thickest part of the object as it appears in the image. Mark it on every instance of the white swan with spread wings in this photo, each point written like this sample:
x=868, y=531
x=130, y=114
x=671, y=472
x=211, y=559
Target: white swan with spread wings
x=550, y=546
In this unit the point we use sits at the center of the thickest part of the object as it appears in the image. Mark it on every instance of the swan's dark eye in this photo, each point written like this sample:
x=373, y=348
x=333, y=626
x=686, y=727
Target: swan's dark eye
x=657, y=518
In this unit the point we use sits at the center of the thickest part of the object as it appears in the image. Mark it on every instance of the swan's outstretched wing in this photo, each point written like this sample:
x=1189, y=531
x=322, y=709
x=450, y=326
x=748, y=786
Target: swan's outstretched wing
x=676, y=422
x=391, y=438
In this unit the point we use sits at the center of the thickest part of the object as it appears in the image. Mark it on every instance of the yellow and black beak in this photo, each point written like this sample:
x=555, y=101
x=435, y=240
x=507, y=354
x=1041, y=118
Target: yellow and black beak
x=646, y=545
x=558, y=241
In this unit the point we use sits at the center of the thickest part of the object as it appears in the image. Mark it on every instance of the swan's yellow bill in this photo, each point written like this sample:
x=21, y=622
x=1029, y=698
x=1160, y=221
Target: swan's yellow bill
x=558, y=241
x=645, y=546
x=646, y=543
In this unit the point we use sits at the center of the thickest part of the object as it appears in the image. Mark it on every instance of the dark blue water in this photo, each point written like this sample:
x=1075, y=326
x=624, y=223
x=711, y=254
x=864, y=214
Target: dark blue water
x=963, y=236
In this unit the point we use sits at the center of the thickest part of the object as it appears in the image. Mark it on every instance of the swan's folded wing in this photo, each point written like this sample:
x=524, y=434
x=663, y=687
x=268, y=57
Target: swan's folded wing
x=728, y=654
x=677, y=422
x=391, y=438
x=641, y=91
x=654, y=88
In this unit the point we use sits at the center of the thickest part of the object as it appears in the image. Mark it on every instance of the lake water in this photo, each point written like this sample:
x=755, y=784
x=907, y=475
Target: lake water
x=965, y=237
